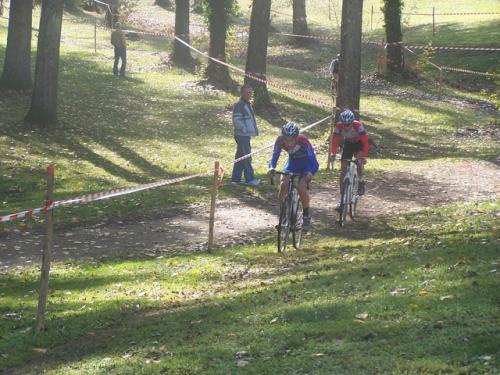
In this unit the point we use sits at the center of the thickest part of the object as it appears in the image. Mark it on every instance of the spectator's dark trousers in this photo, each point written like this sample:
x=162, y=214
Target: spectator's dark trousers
x=245, y=166
x=120, y=53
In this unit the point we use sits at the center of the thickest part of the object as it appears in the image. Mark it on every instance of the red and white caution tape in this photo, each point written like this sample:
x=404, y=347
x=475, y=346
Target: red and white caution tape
x=452, y=14
x=444, y=48
x=459, y=70
x=49, y=205
x=258, y=79
x=124, y=191
x=268, y=146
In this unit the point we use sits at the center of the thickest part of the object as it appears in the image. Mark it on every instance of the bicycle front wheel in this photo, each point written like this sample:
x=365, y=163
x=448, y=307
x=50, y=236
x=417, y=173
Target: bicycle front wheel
x=298, y=220
x=344, y=202
x=353, y=201
x=284, y=225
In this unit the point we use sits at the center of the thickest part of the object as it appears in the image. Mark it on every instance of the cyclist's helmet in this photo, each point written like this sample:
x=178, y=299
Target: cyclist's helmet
x=347, y=117
x=290, y=129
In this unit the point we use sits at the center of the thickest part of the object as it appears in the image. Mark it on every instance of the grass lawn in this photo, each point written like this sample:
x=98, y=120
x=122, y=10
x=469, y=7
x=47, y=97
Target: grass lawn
x=407, y=294
x=155, y=125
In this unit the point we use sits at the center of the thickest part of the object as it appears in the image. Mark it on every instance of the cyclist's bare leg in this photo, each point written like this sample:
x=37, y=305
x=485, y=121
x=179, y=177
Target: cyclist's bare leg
x=343, y=172
x=285, y=180
x=304, y=191
x=361, y=167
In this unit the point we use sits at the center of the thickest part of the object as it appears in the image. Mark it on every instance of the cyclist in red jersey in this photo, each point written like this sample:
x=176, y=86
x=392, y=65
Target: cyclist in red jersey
x=355, y=144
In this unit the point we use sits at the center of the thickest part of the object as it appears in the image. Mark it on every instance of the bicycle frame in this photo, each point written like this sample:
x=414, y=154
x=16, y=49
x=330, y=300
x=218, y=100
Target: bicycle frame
x=349, y=194
x=289, y=219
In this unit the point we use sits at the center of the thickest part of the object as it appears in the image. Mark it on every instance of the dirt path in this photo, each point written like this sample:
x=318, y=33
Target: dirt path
x=252, y=218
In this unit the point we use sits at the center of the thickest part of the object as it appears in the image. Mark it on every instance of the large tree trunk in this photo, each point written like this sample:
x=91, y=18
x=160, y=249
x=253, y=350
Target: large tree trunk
x=215, y=73
x=257, y=51
x=392, y=18
x=350, y=56
x=17, y=65
x=181, y=54
x=300, y=18
x=43, y=111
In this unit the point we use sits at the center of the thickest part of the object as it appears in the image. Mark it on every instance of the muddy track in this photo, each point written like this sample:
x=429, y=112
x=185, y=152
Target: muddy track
x=252, y=217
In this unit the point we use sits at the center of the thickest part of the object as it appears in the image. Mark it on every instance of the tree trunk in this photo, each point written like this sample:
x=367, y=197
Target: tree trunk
x=300, y=18
x=215, y=73
x=350, y=56
x=181, y=54
x=43, y=111
x=17, y=65
x=393, y=33
x=257, y=51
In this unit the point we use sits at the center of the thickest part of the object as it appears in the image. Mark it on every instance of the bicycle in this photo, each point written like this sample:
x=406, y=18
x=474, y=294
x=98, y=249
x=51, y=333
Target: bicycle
x=349, y=195
x=291, y=216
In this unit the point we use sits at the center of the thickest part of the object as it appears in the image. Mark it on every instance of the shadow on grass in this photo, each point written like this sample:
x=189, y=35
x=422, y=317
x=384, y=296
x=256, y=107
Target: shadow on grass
x=312, y=308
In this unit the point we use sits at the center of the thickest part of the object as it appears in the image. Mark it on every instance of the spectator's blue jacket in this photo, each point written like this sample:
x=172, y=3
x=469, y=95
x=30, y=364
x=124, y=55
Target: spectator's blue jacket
x=244, y=119
x=301, y=158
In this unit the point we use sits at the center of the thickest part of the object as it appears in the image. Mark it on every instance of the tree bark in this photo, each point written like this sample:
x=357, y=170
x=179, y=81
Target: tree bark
x=300, y=18
x=393, y=33
x=257, y=51
x=43, y=111
x=181, y=54
x=17, y=65
x=350, y=56
x=215, y=73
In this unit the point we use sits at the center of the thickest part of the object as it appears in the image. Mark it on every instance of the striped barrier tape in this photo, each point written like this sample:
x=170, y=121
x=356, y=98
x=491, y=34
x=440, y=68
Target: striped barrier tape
x=460, y=70
x=258, y=79
x=367, y=41
x=124, y=191
x=49, y=205
x=268, y=146
x=444, y=48
x=452, y=14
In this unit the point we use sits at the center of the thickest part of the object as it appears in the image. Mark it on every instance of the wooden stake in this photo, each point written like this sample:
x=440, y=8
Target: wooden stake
x=433, y=21
x=47, y=248
x=440, y=83
x=371, y=22
x=212, y=207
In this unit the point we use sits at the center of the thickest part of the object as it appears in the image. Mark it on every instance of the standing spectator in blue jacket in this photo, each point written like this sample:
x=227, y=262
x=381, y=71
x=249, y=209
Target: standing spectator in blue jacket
x=245, y=127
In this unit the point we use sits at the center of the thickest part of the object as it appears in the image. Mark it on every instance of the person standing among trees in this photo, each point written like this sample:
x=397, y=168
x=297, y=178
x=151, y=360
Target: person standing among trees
x=334, y=73
x=245, y=127
x=119, y=42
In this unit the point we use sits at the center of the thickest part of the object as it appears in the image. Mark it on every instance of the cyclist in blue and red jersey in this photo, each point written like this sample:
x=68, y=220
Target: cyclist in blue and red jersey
x=355, y=144
x=301, y=159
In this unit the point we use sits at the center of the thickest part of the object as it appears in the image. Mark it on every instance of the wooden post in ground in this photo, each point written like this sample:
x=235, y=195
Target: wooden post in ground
x=433, y=21
x=95, y=36
x=47, y=248
x=371, y=21
x=440, y=83
x=211, y=221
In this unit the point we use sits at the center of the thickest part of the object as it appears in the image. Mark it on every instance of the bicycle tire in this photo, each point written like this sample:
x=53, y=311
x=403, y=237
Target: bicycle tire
x=284, y=225
x=297, y=221
x=353, y=202
x=344, y=203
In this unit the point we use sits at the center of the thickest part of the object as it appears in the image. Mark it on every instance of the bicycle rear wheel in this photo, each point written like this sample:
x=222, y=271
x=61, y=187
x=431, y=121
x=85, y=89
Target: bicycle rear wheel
x=344, y=203
x=353, y=201
x=284, y=225
x=298, y=220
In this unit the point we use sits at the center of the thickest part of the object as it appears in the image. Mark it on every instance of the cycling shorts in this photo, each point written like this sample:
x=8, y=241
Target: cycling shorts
x=350, y=149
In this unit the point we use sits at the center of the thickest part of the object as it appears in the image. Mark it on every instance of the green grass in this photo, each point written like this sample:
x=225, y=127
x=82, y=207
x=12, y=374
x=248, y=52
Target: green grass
x=426, y=281
x=119, y=133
